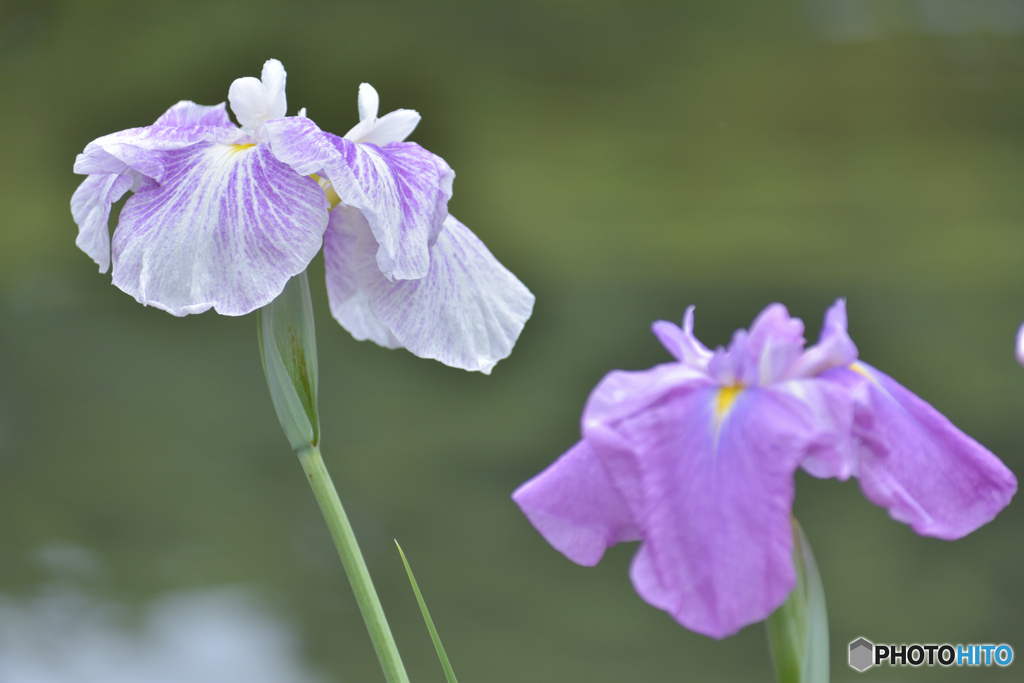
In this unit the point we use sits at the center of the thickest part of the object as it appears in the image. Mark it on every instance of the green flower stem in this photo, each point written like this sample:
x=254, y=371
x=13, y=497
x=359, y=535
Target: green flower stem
x=355, y=566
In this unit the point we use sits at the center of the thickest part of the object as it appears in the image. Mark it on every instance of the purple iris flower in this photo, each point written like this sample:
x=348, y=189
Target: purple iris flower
x=222, y=216
x=696, y=459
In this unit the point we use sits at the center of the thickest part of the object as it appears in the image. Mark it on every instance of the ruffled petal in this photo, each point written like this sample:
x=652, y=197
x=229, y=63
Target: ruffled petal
x=401, y=189
x=575, y=507
x=226, y=229
x=834, y=348
x=141, y=149
x=915, y=463
x=466, y=312
x=90, y=207
x=708, y=477
x=681, y=343
x=349, y=304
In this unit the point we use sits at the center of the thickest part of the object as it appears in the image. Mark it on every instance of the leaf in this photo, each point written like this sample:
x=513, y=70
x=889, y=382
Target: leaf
x=798, y=630
x=288, y=351
x=445, y=664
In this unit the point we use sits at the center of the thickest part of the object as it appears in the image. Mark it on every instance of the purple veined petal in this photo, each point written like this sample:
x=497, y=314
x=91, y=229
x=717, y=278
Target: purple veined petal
x=401, y=188
x=834, y=347
x=681, y=343
x=90, y=207
x=776, y=340
x=575, y=507
x=708, y=476
x=226, y=229
x=349, y=304
x=915, y=463
x=141, y=149
x=466, y=312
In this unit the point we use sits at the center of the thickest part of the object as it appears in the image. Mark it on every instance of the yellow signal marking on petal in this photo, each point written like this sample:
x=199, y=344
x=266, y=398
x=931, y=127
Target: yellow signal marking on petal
x=860, y=370
x=726, y=397
x=235, y=149
x=328, y=189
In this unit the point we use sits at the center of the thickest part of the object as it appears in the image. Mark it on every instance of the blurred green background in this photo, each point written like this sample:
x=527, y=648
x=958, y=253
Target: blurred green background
x=624, y=159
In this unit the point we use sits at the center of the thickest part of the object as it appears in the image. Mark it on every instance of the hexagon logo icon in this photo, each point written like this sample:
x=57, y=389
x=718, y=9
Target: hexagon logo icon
x=862, y=653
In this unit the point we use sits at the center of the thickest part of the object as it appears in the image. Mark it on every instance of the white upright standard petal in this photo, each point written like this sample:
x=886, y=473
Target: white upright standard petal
x=274, y=78
x=369, y=102
x=248, y=99
x=226, y=229
x=467, y=312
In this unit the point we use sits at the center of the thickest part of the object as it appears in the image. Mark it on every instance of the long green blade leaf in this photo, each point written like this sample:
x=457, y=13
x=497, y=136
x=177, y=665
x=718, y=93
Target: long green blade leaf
x=430, y=623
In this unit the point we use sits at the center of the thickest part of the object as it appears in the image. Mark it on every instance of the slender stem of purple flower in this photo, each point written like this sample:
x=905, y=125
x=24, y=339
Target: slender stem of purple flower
x=355, y=566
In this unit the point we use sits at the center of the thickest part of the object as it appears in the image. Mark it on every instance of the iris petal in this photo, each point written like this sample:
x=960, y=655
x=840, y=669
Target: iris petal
x=226, y=229
x=401, y=188
x=90, y=207
x=575, y=507
x=915, y=463
x=712, y=500
x=467, y=311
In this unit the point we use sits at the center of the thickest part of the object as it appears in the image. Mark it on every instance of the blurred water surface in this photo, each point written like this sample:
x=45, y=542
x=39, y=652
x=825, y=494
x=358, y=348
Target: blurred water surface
x=625, y=160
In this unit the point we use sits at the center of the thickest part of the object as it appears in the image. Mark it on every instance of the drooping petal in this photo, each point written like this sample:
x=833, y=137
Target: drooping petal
x=575, y=507
x=349, y=304
x=834, y=348
x=466, y=312
x=401, y=188
x=90, y=207
x=915, y=463
x=681, y=343
x=141, y=149
x=708, y=476
x=226, y=229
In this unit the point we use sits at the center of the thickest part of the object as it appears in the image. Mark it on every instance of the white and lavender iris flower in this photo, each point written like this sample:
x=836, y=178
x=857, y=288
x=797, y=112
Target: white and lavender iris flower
x=696, y=460
x=216, y=220
x=222, y=216
x=401, y=271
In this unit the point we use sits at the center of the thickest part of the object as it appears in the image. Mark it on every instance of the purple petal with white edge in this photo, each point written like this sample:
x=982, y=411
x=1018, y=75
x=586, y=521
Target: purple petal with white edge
x=401, y=188
x=575, y=507
x=681, y=343
x=90, y=207
x=349, y=304
x=140, y=149
x=916, y=463
x=834, y=348
x=708, y=476
x=226, y=229
x=466, y=312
